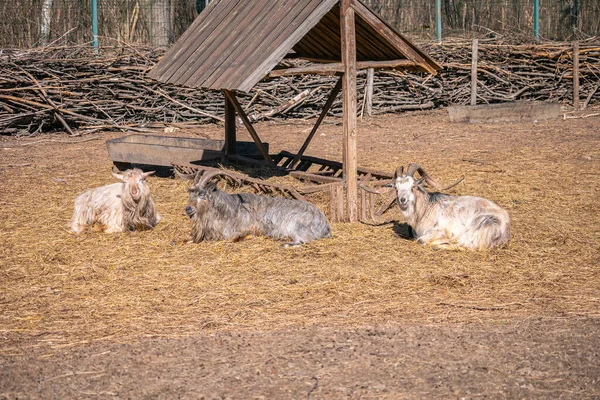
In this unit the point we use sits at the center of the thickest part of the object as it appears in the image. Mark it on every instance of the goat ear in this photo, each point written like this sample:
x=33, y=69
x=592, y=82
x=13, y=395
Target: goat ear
x=145, y=175
x=420, y=182
x=117, y=175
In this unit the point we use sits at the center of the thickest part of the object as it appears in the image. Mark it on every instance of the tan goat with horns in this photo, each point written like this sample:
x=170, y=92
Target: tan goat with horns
x=445, y=221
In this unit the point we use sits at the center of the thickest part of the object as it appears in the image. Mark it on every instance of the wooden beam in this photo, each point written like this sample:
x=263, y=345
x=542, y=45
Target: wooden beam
x=328, y=104
x=333, y=217
x=474, y=51
x=576, y=76
x=319, y=69
x=387, y=176
x=336, y=68
x=230, y=135
x=348, y=36
x=339, y=202
x=369, y=92
x=231, y=96
x=307, y=176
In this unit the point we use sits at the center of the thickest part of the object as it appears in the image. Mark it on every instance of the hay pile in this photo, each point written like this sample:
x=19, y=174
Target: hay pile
x=62, y=290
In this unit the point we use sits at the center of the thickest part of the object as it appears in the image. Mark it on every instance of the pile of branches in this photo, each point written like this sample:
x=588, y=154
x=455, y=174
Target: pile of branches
x=72, y=89
x=518, y=72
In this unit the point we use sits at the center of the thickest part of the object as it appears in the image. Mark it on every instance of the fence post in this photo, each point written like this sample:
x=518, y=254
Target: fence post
x=576, y=76
x=95, y=25
x=438, y=20
x=474, y=72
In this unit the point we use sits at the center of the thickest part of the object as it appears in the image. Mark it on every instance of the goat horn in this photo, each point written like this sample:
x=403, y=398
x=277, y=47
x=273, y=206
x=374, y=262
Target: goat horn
x=208, y=175
x=413, y=167
x=454, y=184
x=184, y=176
x=373, y=191
x=399, y=171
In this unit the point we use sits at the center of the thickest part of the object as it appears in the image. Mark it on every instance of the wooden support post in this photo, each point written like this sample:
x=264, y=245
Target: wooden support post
x=231, y=96
x=230, y=136
x=363, y=196
x=339, y=196
x=474, y=72
x=576, y=76
x=328, y=104
x=372, y=206
x=363, y=205
x=333, y=204
x=369, y=92
x=348, y=35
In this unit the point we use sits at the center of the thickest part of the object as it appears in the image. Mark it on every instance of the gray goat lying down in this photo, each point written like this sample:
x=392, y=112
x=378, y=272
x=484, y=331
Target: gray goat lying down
x=445, y=221
x=119, y=207
x=217, y=215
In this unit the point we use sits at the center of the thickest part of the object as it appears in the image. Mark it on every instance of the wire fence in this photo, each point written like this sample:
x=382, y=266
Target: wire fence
x=31, y=23
x=558, y=19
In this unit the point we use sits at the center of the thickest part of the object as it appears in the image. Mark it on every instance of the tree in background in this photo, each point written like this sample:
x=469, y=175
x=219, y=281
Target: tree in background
x=161, y=33
x=46, y=19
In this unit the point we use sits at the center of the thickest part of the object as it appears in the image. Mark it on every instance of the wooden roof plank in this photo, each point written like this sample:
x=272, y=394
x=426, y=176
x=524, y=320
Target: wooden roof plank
x=311, y=45
x=200, y=29
x=370, y=40
x=289, y=24
x=230, y=66
x=276, y=28
x=301, y=27
x=329, y=32
x=227, y=45
x=200, y=58
x=173, y=54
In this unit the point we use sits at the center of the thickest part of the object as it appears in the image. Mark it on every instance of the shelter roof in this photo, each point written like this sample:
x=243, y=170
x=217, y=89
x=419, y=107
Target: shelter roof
x=233, y=44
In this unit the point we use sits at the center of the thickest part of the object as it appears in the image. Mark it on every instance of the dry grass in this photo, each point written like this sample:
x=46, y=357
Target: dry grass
x=63, y=289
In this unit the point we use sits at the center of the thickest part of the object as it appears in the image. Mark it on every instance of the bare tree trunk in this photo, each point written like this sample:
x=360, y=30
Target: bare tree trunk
x=161, y=22
x=46, y=19
x=574, y=15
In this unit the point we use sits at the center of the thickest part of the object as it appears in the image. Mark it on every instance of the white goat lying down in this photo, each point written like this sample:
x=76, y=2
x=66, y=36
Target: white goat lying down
x=217, y=215
x=446, y=221
x=120, y=207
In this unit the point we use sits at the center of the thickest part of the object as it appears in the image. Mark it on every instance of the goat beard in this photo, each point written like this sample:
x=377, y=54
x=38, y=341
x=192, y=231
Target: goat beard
x=199, y=222
x=139, y=214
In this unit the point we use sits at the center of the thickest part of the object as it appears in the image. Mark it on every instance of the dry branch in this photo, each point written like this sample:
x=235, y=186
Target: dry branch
x=70, y=88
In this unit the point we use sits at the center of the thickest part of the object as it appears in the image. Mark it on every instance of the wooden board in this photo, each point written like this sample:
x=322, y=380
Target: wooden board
x=504, y=112
x=166, y=150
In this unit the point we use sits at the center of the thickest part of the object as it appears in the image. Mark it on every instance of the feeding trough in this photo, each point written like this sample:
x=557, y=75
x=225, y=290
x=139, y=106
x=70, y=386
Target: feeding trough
x=504, y=112
x=167, y=150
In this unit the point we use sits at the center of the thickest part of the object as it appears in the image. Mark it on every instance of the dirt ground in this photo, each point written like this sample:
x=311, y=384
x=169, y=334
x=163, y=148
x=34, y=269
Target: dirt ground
x=365, y=314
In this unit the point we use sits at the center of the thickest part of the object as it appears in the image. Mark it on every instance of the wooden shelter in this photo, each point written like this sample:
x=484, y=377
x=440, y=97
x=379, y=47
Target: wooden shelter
x=233, y=44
